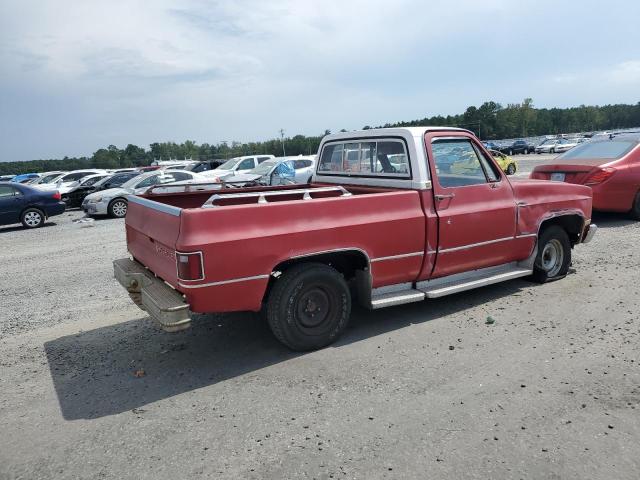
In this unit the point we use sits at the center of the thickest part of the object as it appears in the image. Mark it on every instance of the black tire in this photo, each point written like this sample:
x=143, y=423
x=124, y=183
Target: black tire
x=554, y=255
x=635, y=209
x=552, y=150
x=301, y=293
x=511, y=169
x=32, y=218
x=118, y=208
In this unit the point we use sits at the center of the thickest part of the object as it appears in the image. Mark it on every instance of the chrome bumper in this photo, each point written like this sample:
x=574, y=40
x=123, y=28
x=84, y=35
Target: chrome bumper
x=164, y=304
x=590, y=231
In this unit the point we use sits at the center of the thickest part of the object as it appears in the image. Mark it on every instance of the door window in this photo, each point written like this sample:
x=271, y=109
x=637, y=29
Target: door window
x=246, y=164
x=6, y=191
x=457, y=163
x=179, y=176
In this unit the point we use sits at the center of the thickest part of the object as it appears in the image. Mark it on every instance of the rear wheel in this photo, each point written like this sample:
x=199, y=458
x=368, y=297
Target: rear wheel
x=554, y=255
x=309, y=306
x=32, y=218
x=118, y=208
x=635, y=210
x=511, y=169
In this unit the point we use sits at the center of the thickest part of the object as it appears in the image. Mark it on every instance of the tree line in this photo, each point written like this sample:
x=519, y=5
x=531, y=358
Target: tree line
x=490, y=121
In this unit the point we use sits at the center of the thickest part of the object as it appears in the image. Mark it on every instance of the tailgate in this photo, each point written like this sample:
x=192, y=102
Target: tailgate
x=152, y=232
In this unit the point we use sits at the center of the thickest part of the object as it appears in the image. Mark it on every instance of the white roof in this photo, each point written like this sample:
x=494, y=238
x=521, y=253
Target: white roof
x=392, y=131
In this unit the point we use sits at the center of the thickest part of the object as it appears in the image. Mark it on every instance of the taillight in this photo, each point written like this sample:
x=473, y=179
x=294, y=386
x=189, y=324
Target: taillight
x=190, y=266
x=600, y=176
x=57, y=196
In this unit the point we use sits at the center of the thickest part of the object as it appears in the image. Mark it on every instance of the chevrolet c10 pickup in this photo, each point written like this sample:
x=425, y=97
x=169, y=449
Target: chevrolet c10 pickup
x=391, y=216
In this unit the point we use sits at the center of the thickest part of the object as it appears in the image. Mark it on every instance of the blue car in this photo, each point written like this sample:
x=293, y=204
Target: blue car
x=24, y=177
x=27, y=205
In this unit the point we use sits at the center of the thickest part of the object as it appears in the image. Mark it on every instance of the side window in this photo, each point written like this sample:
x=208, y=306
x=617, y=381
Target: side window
x=6, y=191
x=262, y=159
x=179, y=176
x=457, y=163
x=148, y=182
x=300, y=164
x=246, y=164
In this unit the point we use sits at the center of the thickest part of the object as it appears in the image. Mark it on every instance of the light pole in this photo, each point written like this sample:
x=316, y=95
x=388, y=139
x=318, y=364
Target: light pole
x=284, y=154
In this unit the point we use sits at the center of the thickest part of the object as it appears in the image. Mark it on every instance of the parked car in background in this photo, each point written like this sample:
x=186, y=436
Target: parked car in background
x=277, y=171
x=564, y=145
x=113, y=201
x=395, y=232
x=610, y=166
x=75, y=196
x=27, y=205
x=237, y=165
x=25, y=177
x=518, y=146
x=6, y=178
x=508, y=164
x=85, y=182
x=205, y=165
x=149, y=168
x=489, y=145
x=67, y=179
x=47, y=177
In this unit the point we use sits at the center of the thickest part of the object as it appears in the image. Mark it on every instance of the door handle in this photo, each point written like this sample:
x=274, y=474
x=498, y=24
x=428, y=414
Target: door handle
x=444, y=197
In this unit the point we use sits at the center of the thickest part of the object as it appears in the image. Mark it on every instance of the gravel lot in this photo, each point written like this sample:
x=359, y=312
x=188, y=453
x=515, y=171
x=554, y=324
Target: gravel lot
x=429, y=390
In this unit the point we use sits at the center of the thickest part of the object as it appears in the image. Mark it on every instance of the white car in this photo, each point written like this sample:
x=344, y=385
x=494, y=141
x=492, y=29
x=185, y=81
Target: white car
x=277, y=171
x=113, y=201
x=237, y=165
x=83, y=182
x=67, y=179
x=47, y=177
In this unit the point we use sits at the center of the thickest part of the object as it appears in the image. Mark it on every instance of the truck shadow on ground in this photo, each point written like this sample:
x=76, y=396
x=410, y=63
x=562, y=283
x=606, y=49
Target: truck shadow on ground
x=611, y=219
x=94, y=372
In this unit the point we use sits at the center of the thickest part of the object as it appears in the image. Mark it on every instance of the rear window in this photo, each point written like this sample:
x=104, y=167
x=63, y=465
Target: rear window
x=609, y=149
x=384, y=158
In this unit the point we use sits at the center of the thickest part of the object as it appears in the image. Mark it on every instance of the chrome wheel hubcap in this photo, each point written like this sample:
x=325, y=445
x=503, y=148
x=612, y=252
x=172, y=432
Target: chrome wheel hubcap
x=32, y=219
x=552, y=257
x=120, y=209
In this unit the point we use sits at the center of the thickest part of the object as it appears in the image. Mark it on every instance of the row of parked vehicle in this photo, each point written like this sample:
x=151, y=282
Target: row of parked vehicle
x=552, y=145
x=32, y=198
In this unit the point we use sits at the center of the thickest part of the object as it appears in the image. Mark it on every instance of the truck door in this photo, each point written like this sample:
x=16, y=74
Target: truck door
x=475, y=206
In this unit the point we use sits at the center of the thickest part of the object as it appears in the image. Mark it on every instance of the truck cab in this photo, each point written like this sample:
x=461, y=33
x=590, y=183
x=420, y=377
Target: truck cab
x=391, y=216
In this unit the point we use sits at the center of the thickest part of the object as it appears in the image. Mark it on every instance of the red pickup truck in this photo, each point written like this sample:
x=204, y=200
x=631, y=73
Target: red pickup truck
x=391, y=216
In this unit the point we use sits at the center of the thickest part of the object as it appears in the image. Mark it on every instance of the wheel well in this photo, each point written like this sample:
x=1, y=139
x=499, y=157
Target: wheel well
x=347, y=262
x=118, y=198
x=572, y=224
x=33, y=207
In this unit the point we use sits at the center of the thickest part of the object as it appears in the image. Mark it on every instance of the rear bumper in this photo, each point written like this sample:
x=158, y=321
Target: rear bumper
x=164, y=304
x=55, y=209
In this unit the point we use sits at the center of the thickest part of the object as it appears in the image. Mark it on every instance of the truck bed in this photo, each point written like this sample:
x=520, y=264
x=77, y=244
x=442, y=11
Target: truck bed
x=243, y=239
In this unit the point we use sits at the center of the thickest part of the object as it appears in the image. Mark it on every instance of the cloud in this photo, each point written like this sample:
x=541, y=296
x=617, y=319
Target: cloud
x=79, y=75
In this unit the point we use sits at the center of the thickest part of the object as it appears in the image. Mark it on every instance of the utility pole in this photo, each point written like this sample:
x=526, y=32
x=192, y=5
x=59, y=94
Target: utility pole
x=284, y=154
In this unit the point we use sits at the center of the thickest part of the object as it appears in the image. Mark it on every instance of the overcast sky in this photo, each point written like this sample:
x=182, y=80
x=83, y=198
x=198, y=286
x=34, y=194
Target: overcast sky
x=79, y=75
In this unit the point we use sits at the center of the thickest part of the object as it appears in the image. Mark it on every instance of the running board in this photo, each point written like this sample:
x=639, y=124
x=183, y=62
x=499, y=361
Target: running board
x=441, y=287
x=396, y=298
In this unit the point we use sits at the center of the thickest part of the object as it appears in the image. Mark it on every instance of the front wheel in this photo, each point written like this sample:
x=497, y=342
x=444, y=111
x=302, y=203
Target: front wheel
x=32, y=218
x=554, y=255
x=309, y=306
x=118, y=208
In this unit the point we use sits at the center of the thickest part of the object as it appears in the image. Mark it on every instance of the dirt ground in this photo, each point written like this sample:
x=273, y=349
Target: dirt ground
x=91, y=389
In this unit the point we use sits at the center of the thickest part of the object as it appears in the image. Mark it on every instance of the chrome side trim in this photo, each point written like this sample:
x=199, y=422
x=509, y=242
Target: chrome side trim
x=396, y=257
x=526, y=235
x=224, y=282
x=473, y=245
x=160, y=207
